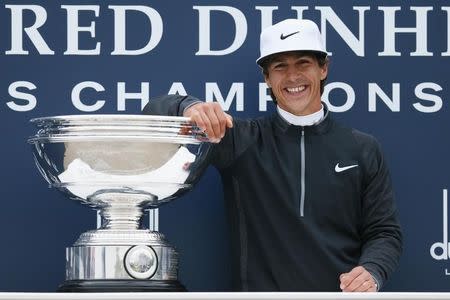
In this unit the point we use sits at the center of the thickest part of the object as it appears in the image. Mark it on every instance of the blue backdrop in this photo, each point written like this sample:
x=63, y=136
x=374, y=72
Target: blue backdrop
x=389, y=76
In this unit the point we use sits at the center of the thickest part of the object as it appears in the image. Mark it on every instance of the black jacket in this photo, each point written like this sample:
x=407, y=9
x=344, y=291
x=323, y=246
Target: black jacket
x=299, y=218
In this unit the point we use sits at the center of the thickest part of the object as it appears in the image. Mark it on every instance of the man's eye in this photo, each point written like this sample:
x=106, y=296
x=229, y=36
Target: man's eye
x=304, y=62
x=279, y=66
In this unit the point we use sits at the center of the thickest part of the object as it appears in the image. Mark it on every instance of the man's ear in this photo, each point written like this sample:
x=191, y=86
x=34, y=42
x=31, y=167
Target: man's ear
x=324, y=71
x=266, y=79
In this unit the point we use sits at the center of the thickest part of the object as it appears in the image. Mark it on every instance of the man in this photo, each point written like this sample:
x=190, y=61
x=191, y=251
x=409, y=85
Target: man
x=310, y=202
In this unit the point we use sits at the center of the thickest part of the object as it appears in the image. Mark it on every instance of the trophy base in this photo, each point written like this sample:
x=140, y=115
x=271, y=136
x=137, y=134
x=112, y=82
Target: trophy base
x=121, y=261
x=114, y=286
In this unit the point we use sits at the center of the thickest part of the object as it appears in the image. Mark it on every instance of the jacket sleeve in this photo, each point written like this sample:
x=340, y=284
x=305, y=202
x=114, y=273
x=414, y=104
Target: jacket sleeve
x=221, y=155
x=380, y=229
x=169, y=105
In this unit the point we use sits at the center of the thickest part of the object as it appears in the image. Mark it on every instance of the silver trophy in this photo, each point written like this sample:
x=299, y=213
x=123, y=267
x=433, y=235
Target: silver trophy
x=120, y=165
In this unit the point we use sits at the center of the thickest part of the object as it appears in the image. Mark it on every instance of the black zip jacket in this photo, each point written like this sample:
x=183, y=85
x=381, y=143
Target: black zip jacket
x=305, y=204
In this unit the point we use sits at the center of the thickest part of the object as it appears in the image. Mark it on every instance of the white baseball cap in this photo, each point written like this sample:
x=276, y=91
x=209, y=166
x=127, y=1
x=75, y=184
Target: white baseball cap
x=290, y=35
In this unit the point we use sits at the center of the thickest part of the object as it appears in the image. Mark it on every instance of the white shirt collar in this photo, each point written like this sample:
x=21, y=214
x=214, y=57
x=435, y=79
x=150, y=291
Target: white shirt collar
x=307, y=120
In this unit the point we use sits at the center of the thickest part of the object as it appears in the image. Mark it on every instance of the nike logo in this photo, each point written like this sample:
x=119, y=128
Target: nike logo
x=283, y=37
x=342, y=169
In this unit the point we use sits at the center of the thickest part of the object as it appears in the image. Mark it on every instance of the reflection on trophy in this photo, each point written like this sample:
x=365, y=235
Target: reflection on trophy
x=120, y=165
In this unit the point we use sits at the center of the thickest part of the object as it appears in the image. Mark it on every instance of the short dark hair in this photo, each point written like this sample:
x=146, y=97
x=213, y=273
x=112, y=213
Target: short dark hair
x=320, y=57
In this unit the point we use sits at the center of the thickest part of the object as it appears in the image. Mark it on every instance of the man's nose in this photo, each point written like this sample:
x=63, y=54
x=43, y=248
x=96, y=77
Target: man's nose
x=294, y=73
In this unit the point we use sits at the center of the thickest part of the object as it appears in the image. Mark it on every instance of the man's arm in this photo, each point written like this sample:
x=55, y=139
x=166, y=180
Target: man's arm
x=208, y=116
x=232, y=140
x=169, y=105
x=381, y=235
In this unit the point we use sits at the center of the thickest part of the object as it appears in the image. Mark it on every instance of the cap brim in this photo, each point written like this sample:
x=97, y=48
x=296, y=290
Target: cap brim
x=262, y=58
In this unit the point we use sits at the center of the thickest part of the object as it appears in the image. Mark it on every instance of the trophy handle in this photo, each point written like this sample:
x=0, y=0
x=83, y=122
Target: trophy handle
x=99, y=219
x=153, y=219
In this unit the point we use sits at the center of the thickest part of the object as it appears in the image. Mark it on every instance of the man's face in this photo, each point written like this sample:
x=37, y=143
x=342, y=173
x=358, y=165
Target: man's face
x=295, y=81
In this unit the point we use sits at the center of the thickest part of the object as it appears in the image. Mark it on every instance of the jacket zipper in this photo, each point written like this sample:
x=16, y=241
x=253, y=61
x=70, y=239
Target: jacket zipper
x=302, y=173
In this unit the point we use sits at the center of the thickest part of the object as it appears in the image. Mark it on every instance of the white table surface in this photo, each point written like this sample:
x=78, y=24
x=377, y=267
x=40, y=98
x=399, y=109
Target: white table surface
x=225, y=296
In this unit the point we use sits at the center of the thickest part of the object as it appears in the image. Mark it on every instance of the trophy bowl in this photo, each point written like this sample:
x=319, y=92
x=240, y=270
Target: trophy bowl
x=120, y=165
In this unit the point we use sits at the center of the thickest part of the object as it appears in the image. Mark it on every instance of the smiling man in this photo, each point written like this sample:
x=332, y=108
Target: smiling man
x=310, y=202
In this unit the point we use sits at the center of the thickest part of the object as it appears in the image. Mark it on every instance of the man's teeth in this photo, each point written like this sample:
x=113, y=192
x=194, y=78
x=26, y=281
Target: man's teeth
x=296, y=89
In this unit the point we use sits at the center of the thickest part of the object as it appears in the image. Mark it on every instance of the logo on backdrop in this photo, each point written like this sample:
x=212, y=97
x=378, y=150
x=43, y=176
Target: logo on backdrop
x=441, y=250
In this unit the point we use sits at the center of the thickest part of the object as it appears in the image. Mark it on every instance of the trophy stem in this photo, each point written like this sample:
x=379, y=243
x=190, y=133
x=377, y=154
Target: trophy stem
x=120, y=210
x=120, y=217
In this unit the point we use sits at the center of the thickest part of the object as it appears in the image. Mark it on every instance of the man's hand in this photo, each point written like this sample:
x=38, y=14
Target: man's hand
x=357, y=280
x=211, y=118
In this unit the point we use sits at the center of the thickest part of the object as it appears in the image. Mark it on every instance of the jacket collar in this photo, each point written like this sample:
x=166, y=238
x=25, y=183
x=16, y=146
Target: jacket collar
x=319, y=128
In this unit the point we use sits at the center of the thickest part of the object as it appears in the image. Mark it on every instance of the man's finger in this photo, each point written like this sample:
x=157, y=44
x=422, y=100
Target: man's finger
x=373, y=289
x=206, y=127
x=356, y=284
x=341, y=277
x=214, y=122
x=229, y=121
x=360, y=282
x=368, y=287
x=197, y=119
x=364, y=287
x=221, y=116
x=347, y=278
